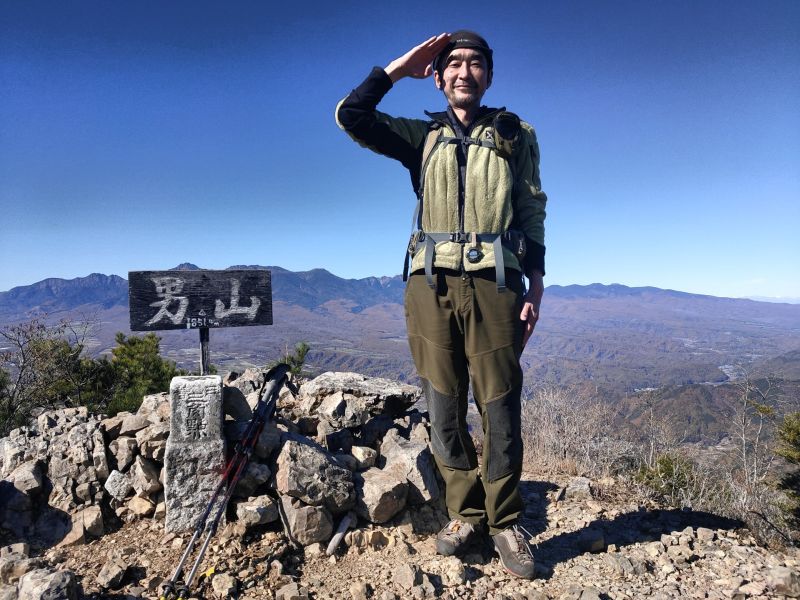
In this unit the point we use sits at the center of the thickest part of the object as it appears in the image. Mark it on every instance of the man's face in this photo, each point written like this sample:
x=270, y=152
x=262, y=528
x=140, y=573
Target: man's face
x=465, y=78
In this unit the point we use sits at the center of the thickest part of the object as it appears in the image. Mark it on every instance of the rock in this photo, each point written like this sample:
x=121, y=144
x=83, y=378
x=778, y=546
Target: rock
x=76, y=536
x=453, y=572
x=118, y=485
x=308, y=425
x=112, y=425
x=248, y=382
x=257, y=511
x=268, y=441
x=224, y=585
x=291, y=591
x=376, y=539
x=624, y=566
x=44, y=584
x=14, y=565
x=152, y=584
x=334, y=439
x=144, y=477
x=365, y=457
x=380, y=495
x=350, y=399
x=161, y=511
x=92, y=519
x=653, y=549
x=373, y=430
x=342, y=410
x=27, y=478
x=307, y=524
x=15, y=510
x=112, y=574
x=592, y=540
x=195, y=453
x=99, y=456
x=234, y=404
x=314, y=550
x=346, y=461
x=155, y=407
x=591, y=593
x=355, y=539
x=157, y=432
x=309, y=473
x=133, y=423
x=406, y=576
x=576, y=592
x=783, y=580
x=754, y=588
x=141, y=507
x=253, y=477
x=154, y=450
x=579, y=488
x=19, y=548
x=413, y=461
x=705, y=534
x=428, y=589
x=8, y=592
x=359, y=591
x=85, y=492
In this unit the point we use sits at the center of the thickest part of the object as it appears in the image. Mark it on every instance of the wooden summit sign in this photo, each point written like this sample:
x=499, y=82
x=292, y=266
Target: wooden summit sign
x=199, y=299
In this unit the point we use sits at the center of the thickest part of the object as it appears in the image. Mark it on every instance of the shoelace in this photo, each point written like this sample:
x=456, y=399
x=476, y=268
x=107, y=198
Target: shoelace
x=454, y=526
x=522, y=542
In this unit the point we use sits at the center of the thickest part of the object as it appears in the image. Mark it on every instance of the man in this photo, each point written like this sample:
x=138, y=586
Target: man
x=480, y=226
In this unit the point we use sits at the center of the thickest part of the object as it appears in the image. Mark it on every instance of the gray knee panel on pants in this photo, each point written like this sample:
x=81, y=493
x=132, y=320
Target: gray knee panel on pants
x=503, y=443
x=449, y=436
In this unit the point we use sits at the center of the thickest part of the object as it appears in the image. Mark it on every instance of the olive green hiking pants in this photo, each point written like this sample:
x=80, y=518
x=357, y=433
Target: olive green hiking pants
x=465, y=329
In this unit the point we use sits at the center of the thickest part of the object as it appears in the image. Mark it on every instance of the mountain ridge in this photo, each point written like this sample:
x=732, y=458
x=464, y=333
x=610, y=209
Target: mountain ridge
x=52, y=287
x=611, y=338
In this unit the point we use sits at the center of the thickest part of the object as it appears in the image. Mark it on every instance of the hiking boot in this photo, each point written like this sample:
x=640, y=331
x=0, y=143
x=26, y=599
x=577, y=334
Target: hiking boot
x=454, y=537
x=515, y=552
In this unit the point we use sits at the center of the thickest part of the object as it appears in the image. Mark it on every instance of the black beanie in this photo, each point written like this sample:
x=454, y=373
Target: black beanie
x=463, y=38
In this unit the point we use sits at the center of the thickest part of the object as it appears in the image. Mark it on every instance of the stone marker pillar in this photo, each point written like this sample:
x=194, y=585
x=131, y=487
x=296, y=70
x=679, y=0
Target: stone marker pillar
x=195, y=455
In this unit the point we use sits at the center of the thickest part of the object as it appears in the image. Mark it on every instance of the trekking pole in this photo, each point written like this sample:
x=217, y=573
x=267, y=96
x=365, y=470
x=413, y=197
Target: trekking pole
x=168, y=588
x=265, y=409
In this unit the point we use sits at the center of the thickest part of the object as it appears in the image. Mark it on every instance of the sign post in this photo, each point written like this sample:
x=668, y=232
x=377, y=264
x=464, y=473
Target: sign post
x=161, y=300
x=204, y=361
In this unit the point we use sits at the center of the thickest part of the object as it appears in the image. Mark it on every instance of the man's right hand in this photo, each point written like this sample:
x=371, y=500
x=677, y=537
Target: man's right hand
x=416, y=62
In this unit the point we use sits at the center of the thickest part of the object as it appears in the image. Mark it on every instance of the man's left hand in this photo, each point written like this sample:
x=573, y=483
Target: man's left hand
x=531, y=303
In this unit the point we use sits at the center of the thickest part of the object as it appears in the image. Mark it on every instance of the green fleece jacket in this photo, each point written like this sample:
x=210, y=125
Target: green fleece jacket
x=495, y=195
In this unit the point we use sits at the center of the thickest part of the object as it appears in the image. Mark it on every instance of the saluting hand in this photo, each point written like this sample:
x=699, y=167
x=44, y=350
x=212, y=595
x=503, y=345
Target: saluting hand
x=416, y=62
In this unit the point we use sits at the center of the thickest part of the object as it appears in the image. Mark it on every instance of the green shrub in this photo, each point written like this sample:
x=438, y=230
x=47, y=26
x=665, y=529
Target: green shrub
x=789, y=436
x=296, y=359
x=673, y=478
x=138, y=370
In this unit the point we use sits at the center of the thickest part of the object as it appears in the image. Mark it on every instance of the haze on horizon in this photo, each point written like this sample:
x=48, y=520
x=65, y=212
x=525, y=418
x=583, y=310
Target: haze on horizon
x=142, y=135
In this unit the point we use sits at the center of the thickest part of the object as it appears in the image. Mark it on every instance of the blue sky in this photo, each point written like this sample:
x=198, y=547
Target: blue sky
x=138, y=135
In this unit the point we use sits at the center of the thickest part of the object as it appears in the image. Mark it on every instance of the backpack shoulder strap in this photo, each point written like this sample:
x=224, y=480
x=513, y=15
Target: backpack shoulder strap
x=430, y=143
x=432, y=138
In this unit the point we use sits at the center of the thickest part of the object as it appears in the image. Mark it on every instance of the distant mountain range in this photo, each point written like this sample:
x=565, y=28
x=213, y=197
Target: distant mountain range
x=613, y=338
x=307, y=288
x=772, y=299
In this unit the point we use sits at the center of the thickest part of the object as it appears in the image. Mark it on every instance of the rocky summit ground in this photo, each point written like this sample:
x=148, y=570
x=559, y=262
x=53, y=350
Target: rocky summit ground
x=588, y=542
x=88, y=507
